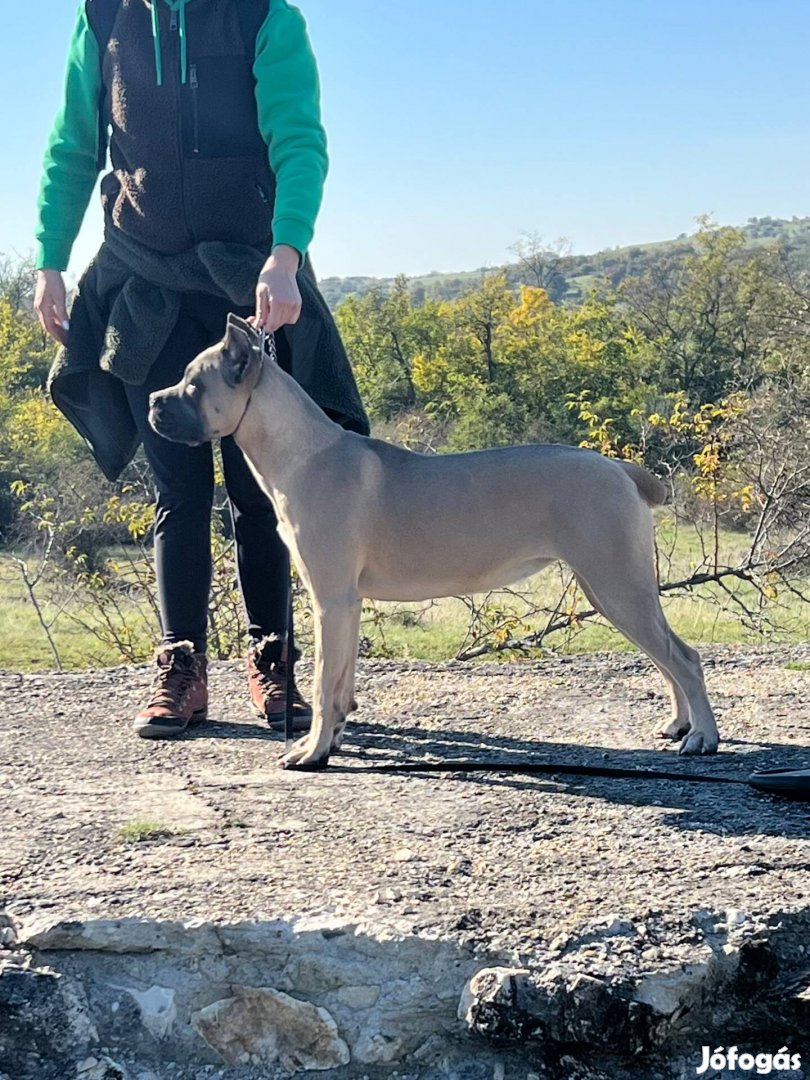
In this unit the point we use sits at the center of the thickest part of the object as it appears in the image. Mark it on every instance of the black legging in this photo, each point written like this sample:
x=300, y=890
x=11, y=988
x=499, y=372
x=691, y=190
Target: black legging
x=184, y=484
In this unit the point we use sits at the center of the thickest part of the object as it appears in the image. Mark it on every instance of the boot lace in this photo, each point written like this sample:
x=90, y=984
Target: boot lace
x=173, y=681
x=271, y=675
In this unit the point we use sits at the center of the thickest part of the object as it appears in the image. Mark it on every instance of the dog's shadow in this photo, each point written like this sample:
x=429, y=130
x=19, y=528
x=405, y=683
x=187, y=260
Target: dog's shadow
x=726, y=809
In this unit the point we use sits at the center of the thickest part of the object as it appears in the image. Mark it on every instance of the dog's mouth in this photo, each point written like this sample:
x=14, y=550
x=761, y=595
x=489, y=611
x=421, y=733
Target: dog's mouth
x=177, y=420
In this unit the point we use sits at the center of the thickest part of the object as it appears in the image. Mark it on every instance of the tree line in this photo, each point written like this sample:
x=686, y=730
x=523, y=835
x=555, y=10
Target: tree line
x=696, y=366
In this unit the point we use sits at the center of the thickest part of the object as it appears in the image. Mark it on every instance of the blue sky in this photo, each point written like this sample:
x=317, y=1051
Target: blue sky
x=456, y=125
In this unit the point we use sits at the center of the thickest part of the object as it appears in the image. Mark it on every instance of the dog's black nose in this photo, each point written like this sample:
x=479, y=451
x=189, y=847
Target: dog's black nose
x=160, y=418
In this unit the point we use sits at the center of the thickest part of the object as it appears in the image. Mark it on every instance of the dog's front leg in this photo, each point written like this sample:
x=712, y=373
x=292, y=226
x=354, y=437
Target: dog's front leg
x=345, y=690
x=335, y=639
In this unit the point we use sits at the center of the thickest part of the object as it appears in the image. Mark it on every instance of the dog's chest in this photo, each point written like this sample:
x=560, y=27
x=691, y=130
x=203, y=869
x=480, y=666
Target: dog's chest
x=285, y=528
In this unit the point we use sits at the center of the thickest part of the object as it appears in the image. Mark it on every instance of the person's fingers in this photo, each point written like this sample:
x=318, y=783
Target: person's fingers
x=60, y=330
x=58, y=319
x=273, y=310
x=50, y=304
x=60, y=309
x=41, y=308
x=285, y=314
x=54, y=325
x=275, y=315
x=262, y=303
x=41, y=316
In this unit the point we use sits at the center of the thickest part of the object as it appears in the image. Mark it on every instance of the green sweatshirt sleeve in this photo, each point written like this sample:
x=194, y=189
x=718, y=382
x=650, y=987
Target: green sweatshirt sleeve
x=288, y=100
x=71, y=159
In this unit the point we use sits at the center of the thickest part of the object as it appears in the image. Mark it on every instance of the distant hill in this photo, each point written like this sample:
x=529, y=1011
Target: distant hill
x=568, y=277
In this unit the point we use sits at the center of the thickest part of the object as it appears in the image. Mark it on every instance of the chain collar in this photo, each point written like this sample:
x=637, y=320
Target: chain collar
x=267, y=346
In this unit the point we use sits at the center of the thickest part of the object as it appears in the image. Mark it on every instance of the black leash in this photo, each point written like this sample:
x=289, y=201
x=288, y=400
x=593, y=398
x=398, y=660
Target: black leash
x=789, y=783
x=267, y=351
x=290, y=669
x=547, y=768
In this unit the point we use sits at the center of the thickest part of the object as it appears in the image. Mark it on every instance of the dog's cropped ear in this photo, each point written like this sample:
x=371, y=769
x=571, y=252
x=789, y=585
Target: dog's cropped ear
x=239, y=350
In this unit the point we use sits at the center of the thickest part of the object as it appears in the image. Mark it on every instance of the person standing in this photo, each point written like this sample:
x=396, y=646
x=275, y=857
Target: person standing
x=210, y=112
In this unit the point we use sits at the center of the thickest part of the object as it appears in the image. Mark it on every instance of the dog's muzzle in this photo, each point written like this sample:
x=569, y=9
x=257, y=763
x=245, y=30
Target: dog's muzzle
x=175, y=417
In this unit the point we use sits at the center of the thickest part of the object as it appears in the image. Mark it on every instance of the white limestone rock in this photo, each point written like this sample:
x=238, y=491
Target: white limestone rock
x=158, y=1010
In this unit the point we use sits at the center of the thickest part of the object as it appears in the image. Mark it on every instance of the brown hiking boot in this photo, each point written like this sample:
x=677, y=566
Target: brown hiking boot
x=179, y=694
x=267, y=680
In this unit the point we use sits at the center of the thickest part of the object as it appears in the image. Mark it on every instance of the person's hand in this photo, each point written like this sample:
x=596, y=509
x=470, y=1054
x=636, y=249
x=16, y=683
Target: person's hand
x=50, y=304
x=278, y=301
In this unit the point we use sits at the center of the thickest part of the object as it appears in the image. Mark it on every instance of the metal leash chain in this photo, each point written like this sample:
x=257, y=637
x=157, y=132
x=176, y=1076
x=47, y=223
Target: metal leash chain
x=267, y=347
x=288, y=706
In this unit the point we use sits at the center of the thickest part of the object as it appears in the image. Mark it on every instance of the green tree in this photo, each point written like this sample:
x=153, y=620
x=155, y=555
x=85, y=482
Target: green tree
x=703, y=317
x=383, y=333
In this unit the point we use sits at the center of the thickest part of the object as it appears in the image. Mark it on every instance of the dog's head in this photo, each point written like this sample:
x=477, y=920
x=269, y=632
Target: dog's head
x=210, y=400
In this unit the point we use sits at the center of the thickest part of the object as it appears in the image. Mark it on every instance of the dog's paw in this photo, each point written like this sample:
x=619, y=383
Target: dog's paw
x=699, y=742
x=675, y=729
x=304, y=755
x=305, y=766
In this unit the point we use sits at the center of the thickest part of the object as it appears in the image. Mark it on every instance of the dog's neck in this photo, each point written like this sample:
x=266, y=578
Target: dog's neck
x=282, y=428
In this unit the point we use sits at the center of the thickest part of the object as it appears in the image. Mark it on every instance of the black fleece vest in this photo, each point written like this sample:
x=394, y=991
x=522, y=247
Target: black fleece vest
x=188, y=160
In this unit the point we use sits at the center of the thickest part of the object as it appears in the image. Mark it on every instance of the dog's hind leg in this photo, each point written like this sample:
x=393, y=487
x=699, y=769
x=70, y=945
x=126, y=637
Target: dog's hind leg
x=622, y=585
x=680, y=721
x=336, y=627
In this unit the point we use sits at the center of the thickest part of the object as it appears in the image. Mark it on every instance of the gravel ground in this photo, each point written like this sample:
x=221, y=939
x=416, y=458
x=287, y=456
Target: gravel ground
x=515, y=865
x=513, y=859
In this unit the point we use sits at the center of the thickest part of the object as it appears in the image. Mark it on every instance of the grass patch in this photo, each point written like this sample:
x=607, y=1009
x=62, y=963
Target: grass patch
x=798, y=665
x=23, y=645
x=136, y=832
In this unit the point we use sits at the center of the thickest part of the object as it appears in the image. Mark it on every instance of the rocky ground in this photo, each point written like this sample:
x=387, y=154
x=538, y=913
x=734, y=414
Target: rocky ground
x=444, y=924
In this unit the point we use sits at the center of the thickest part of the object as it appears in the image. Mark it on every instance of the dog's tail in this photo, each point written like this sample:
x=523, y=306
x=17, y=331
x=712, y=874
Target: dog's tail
x=654, y=491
